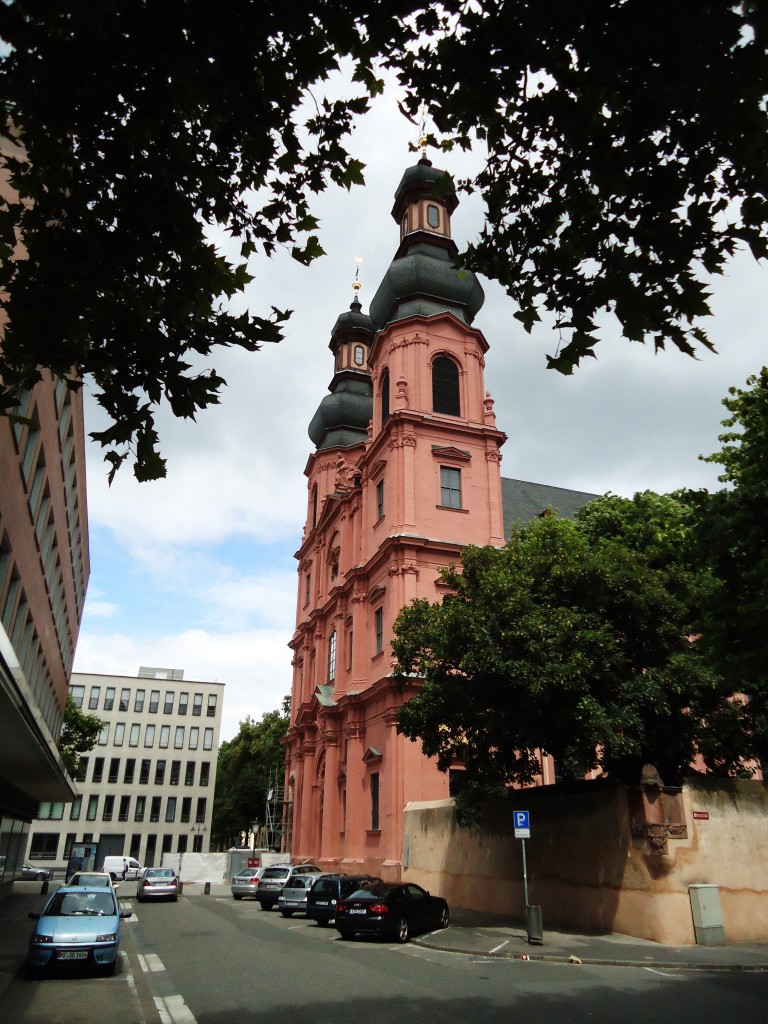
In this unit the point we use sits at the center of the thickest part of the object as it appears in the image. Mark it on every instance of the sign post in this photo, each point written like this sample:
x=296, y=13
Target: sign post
x=522, y=820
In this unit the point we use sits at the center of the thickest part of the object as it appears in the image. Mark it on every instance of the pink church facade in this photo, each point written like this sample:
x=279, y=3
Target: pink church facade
x=405, y=473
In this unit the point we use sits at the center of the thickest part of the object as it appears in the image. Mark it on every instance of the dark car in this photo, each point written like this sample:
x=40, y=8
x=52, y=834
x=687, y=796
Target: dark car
x=391, y=910
x=328, y=890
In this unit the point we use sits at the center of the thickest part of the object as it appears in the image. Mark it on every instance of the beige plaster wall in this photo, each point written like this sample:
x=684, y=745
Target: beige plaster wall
x=587, y=870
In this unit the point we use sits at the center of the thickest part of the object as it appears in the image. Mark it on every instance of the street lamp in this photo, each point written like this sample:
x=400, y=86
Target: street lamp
x=197, y=837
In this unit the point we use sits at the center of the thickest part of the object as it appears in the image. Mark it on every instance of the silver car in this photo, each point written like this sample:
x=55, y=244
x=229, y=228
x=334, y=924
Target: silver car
x=293, y=898
x=157, y=883
x=273, y=879
x=245, y=883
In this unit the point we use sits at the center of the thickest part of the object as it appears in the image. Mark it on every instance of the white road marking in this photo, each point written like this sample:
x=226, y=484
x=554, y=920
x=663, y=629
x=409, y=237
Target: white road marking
x=173, y=1010
x=150, y=963
x=500, y=946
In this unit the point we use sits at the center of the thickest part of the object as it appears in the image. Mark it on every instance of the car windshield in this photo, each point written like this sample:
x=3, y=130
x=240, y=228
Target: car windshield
x=160, y=873
x=246, y=874
x=375, y=889
x=276, y=873
x=74, y=904
x=86, y=879
x=299, y=882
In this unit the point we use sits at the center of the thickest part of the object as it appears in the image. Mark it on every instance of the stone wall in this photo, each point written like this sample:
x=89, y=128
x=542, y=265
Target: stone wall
x=603, y=858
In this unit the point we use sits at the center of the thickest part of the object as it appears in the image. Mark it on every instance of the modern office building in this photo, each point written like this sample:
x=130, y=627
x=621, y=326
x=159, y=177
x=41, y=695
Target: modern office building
x=147, y=786
x=44, y=568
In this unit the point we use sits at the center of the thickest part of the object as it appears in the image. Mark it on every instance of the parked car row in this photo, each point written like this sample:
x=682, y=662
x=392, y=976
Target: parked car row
x=357, y=904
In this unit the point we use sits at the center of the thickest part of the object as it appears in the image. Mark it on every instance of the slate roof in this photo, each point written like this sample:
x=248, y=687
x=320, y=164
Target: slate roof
x=523, y=501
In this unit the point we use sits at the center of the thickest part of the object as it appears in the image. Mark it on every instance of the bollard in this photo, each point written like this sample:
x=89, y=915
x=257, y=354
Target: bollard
x=44, y=887
x=207, y=889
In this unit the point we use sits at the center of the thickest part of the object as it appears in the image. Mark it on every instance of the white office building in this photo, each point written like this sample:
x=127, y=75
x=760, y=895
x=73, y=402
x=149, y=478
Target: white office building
x=147, y=786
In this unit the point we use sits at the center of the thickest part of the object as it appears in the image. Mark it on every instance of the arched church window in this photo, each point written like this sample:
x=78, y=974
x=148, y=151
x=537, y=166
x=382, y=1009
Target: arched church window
x=359, y=355
x=332, y=657
x=445, y=387
x=314, y=506
x=385, y=397
x=433, y=216
x=404, y=224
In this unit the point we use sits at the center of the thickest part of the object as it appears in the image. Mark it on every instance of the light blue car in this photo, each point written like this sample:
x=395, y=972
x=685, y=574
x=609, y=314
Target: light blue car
x=79, y=924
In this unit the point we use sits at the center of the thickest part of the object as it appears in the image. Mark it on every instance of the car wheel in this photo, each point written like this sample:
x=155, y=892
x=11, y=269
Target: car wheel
x=345, y=935
x=322, y=923
x=236, y=896
x=40, y=876
x=286, y=913
x=267, y=906
x=444, y=918
x=402, y=930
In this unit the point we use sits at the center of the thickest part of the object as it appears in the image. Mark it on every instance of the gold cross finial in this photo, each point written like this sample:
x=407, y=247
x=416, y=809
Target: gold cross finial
x=357, y=284
x=423, y=136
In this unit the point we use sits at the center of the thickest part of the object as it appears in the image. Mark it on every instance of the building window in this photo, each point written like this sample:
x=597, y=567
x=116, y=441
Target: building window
x=44, y=846
x=332, y=657
x=375, y=801
x=182, y=847
x=160, y=773
x=384, y=397
x=211, y=709
x=109, y=808
x=205, y=773
x=433, y=216
x=93, y=698
x=307, y=587
x=170, y=809
x=167, y=842
x=133, y=739
x=168, y=704
x=314, y=506
x=138, y=814
x=125, y=808
x=93, y=807
x=119, y=734
x=197, y=705
x=74, y=811
x=450, y=487
x=178, y=737
x=114, y=770
x=138, y=704
x=125, y=697
x=154, y=809
x=189, y=776
x=130, y=769
x=201, y=806
x=445, y=387
x=154, y=701
x=77, y=693
x=165, y=735
x=349, y=649
x=98, y=769
x=104, y=735
x=208, y=739
x=109, y=698
x=186, y=808
x=359, y=355
x=378, y=624
x=53, y=811
x=146, y=764
x=82, y=769
x=149, y=736
x=194, y=737
x=379, y=500
x=175, y=772
x=404, y=224
x=183, y=703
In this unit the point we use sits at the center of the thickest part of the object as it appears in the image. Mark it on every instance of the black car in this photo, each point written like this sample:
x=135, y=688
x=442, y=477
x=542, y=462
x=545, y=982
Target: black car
x=328, y=890
x=390, y=910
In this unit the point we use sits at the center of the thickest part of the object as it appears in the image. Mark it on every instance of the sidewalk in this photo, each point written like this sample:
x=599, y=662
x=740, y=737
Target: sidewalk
x=480, y=934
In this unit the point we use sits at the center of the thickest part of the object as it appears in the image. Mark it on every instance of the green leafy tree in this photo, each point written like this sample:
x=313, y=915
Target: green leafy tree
x=79, y=734
x=246, y=770
x=731, y=533
x=573, y=641
x=626, y=148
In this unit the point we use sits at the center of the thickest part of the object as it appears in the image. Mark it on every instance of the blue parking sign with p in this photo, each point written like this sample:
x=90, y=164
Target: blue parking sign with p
x=522, y=823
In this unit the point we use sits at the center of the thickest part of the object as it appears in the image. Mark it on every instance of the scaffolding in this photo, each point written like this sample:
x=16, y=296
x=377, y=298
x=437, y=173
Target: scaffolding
x=278, y=815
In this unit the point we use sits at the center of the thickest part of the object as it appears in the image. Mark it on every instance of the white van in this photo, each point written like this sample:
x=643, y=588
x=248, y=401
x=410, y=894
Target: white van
x=122, y=867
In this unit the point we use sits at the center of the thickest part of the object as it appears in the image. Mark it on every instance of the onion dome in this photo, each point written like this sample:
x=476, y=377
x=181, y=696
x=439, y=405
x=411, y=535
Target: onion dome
x=423, y=280
x=343, y=416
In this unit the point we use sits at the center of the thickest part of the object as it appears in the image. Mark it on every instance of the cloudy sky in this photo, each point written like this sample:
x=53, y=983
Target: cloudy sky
x=197, y=571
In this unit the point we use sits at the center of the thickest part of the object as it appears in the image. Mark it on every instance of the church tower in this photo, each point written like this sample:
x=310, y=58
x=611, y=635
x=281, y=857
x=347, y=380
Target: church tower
x=405, y=472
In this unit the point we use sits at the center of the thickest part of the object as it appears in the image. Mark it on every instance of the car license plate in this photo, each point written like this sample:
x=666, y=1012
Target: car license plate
x=74, y=954
x=357, y=910
x=321, y=903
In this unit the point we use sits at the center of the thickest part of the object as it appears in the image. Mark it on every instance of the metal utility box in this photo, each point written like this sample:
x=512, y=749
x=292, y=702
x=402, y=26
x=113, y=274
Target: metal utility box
x=707, y=915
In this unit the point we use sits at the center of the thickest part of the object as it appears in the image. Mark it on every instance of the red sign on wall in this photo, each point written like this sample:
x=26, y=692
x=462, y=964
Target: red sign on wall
x=701, y=815
x=255, y=862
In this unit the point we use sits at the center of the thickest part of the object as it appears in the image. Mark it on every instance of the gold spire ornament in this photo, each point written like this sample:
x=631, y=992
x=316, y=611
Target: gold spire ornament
x=357, y=284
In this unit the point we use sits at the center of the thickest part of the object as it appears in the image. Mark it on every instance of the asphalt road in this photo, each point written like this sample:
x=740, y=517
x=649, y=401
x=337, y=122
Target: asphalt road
x=211, y=960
